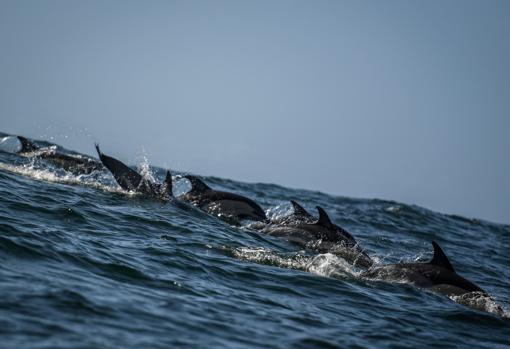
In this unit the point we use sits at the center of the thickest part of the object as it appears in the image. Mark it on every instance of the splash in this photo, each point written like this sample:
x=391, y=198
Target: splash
x=481, y=301
x=327, y=264
x=278, y=212
x=47, y=174
x=261, y=255
x=331, y=265
x=144, y=167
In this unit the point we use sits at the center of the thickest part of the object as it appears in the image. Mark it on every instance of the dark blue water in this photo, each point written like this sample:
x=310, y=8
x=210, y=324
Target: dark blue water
x=83, y=265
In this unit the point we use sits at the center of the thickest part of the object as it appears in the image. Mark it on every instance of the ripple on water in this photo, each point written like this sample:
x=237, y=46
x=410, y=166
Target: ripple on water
x=85, y=265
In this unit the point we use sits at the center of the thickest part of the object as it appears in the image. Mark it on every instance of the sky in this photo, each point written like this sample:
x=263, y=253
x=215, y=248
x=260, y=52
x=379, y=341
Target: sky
x=403, y=100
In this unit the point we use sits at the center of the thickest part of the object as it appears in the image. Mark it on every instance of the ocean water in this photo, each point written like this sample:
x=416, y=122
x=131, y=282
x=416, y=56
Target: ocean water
x=84, y=265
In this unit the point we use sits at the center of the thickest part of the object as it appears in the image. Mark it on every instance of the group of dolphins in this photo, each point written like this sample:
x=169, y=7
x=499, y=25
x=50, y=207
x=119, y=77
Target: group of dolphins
x=301, y=228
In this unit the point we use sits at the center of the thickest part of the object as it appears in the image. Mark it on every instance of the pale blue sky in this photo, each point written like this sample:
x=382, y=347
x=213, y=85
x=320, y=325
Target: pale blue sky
x=404, y=100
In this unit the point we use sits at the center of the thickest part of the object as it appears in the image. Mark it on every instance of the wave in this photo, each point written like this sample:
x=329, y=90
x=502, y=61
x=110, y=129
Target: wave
x=82, y=261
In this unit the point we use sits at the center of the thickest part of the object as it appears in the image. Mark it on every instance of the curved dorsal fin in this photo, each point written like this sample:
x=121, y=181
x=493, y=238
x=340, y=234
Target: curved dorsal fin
x=440, y=258
x=197, y=185
x=125, y=176
x=323, y=218
x=168, y=183
x=26, y=145
x=99, y=153
x=299, y=210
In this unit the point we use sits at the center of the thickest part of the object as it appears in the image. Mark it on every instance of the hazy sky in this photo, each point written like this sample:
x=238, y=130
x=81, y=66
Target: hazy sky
x=404, y=100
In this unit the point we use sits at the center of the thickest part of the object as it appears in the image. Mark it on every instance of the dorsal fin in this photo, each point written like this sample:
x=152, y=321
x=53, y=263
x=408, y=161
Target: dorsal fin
x=299, y=210
x=323, y=218
x=26, y=145
x=197, y=185
x=125, y=176
x=98, y=150
x=440, y=258
x=168, y=183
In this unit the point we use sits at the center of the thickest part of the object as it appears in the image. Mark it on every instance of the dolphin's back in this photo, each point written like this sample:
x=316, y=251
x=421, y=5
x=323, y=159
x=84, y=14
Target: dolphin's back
x=425, y=275
x=232, y=204
x=441, y=276
x=73, y=163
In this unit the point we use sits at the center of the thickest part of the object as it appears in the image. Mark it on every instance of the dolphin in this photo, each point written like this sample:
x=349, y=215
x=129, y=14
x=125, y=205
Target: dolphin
x=229, y=206
x=16, y=144
x=27, y=146
x=75, y=163
x=320, y=234
x=436, y=275
x=130, y=180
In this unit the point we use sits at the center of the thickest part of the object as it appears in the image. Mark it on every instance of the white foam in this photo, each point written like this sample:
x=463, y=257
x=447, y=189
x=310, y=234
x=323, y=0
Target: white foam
x=265, y=256
x=330, y=265
x=326, y=264
x=482, y=302
x=277, y=212
x=393, y=209
x=49, y=175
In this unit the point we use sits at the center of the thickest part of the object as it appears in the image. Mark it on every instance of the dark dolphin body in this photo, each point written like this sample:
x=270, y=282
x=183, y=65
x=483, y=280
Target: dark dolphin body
x=16, y=144
x=320, y=235
x=130, y=180
x=229, y=206
x=437, y=275
x=26, y=145
x=77, y=164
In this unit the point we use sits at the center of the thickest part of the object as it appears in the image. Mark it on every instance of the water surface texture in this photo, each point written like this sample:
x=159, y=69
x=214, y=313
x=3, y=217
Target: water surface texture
x=84, y=265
